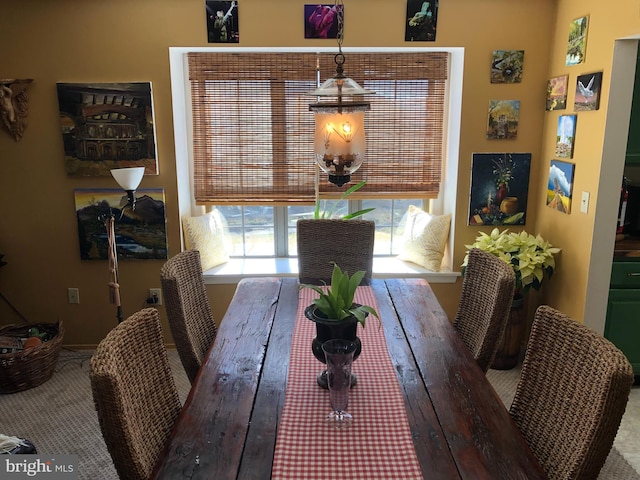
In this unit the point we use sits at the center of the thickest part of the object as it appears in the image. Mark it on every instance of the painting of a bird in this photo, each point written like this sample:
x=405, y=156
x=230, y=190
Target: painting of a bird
x=587, y=92
x=588, y=97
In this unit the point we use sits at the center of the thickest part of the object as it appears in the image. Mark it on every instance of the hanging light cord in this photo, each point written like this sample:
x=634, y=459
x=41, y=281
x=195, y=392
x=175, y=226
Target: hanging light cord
x=339, y=58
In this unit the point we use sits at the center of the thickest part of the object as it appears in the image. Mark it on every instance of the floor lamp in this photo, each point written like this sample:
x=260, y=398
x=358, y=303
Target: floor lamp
x=128, y=179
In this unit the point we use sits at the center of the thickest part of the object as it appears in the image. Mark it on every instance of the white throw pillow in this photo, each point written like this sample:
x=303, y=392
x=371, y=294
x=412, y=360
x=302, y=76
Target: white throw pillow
x=206, y=234
x=425, y=237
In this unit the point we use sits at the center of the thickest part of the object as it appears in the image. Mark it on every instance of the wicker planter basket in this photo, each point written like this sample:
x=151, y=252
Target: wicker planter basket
x=33, y=366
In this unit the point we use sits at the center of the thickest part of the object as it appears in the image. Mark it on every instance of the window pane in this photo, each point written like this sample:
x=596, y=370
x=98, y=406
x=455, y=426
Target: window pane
x=388, y=215
x=251, y=229
x=294, y=213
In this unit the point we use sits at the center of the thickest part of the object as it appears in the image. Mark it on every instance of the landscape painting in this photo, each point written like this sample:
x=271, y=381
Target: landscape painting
x=557, y=93
x=588, y=92
x=560, y=186
x=503, y=119
x=141, y=234
x=105, y=126
x=499, y=188
x=577, y=44
x=566, y=135
x=506, y=66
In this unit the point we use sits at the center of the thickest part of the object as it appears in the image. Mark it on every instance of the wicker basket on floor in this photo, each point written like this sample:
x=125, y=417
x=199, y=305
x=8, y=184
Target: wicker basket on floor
x=33, y=366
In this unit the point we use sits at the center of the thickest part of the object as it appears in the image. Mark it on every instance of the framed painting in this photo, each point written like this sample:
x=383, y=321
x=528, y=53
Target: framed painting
x=499, y=188
x=107, y=125
x=506, y=66
x=422, y=19
x=222, y=22
x=141, y=234
x=565, y=136
x=588, y=92
x=321, y=20
x=557, y=93
x=577, y=43
x=503, y=119
x=560, y=185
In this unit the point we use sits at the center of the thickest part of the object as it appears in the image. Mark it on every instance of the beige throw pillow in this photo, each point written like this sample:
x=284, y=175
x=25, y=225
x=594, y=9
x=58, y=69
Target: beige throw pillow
x=425, y=237
x=206, y=234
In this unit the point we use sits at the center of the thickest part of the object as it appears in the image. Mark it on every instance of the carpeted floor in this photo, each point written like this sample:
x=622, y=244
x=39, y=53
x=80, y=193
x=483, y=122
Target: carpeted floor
x=59, y=417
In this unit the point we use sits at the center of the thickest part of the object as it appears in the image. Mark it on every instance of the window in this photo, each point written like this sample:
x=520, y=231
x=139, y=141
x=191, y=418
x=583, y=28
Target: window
x=251, y=140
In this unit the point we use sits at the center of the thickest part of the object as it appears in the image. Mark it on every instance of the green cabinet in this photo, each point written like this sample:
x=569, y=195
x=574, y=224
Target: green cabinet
x=623, y=311
x=633, y=141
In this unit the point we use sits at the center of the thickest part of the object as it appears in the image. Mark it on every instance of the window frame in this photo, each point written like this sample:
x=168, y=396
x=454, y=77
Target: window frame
x=179, y=71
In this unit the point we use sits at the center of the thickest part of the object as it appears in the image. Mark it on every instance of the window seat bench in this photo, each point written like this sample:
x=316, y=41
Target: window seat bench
x=383, y=267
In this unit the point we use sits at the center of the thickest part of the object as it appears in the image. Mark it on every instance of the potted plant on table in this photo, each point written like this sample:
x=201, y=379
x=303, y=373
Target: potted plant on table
x=532, y=260
x=335, y=313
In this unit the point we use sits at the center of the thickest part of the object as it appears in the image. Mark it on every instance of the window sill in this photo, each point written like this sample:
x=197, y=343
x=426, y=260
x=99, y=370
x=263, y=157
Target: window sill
x=383, y=267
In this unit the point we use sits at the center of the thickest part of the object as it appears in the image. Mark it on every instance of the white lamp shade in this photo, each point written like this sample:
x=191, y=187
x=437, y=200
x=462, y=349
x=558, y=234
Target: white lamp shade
x=128, y=178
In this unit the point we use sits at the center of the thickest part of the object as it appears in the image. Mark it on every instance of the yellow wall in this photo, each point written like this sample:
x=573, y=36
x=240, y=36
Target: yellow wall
x=118, y=41
x=574, y=233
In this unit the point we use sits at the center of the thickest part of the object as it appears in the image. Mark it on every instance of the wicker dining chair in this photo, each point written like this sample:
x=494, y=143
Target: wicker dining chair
x=134, y=394
x=572, y=393
x=191, y=322
x=348, y=243
x=485, y=305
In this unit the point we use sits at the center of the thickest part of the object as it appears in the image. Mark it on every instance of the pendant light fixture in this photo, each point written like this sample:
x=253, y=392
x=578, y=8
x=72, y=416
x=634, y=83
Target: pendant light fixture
x=339, y=140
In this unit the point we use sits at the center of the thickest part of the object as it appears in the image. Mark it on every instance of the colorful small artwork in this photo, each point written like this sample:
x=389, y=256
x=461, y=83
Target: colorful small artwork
x=321, y=20
x=503, y=119
x=557, y=88
x=222, y=22
x=422, y=18
x=499, y=188
x=105, y=126
x=577, y=44
x=588, y=92
x=506, y=66
x=565, y=135
x=560, y=186
x=140, y=234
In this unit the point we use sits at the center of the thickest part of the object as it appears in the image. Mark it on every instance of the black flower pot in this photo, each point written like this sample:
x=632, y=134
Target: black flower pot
x=328, y=330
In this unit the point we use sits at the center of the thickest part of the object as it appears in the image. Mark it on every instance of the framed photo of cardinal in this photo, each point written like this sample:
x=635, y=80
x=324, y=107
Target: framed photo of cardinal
x=588, y=92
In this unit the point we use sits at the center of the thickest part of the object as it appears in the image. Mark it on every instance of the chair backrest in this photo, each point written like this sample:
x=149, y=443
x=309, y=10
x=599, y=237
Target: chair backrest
x=349, y=243
x=485, y=304
x=571, y=396
x=134, y=394
x=191, y=322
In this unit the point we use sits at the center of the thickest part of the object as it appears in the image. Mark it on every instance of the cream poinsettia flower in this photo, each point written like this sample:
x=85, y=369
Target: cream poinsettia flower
x=531, y=257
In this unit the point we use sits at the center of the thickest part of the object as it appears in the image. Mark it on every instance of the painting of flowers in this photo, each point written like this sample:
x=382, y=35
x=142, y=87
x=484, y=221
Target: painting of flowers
x=560, y=186
x=499, y=188
x=588, y=92
x=506, y=66
x=557, y=93
x=565, y=135
x=577, y=44
x=503, y=119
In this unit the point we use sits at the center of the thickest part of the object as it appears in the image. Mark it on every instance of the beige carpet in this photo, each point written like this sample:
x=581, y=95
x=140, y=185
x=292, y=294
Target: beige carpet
x=59, y=417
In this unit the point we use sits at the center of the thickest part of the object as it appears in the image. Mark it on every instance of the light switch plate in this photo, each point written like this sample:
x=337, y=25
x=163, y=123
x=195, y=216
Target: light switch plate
x=584, y=202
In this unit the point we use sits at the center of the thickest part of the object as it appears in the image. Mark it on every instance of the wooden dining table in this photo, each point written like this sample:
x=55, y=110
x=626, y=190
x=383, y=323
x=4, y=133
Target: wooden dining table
x=228, y=426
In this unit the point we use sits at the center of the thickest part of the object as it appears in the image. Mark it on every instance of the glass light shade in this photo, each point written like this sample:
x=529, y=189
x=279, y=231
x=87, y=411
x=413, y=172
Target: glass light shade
x=128, y=178
x=339, y=141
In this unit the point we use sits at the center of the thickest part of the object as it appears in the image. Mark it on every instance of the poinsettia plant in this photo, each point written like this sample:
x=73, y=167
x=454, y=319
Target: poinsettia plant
x=531, y=257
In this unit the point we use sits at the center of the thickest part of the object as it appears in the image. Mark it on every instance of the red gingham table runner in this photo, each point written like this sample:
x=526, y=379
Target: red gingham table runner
x=377, y=445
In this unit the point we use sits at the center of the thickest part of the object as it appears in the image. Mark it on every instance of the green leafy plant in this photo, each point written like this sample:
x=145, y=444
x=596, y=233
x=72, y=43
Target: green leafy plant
x=319, y=212
x=531, y=257
x=337, y=302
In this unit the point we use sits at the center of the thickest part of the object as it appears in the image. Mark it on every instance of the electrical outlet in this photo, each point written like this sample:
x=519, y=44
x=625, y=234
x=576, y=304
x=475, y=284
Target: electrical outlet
x=155, y=296
x=584, y=202
x=74, y=295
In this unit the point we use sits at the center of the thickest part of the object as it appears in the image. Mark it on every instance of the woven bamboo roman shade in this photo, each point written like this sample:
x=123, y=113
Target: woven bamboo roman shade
x=253, y=131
